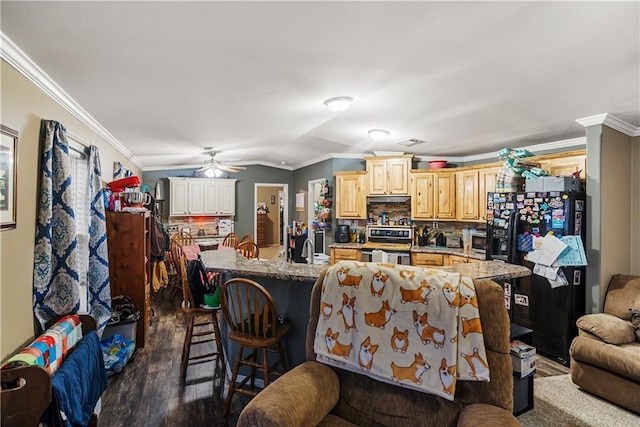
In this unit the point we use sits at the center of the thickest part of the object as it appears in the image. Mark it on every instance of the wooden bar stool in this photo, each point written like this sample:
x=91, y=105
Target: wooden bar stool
x=248, y=250
x=251, y=315
x=207, y=329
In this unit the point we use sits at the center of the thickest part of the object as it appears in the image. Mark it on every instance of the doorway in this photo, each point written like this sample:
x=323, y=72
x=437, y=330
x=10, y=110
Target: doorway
x=275, y=198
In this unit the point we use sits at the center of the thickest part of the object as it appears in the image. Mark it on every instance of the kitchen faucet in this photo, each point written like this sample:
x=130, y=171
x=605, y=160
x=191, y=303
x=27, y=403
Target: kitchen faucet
x=305, y=247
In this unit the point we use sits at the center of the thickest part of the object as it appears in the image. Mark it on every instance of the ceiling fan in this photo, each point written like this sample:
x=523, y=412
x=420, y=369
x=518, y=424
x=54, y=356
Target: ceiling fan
x=213, y=167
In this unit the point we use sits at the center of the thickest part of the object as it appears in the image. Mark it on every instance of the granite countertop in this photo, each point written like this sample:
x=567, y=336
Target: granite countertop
x=229, y=261
x=421, y=249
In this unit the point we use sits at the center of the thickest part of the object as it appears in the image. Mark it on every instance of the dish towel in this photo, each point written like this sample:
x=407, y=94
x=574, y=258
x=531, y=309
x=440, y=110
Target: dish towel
x=412, y=327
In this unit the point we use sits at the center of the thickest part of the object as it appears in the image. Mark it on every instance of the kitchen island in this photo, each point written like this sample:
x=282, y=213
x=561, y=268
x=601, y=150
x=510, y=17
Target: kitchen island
x=290, y=285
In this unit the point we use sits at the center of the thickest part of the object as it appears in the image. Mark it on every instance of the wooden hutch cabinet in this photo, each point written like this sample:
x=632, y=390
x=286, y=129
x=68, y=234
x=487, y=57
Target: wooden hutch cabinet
x=129, y=242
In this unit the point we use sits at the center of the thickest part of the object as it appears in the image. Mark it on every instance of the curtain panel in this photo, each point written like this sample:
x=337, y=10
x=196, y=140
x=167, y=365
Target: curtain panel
x=58, y=264
x=99, y=302
x=56, y=279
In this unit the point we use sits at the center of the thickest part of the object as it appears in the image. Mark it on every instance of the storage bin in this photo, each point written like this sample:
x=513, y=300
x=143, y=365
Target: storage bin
x=125, y=328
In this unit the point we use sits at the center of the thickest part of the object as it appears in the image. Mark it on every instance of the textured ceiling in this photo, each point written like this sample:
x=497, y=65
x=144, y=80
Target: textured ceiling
x=250, y=78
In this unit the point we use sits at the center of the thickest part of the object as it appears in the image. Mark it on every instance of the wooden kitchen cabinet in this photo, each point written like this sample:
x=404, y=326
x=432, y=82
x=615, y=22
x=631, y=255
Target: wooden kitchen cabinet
x=444, y=195
x=261, y=230
x=456, y=259
x=389, y=175
x=345, y=254
x=351, y=195
x=202, y=196
x=565, y=165
x=467, y=195
x=129, y=242
x=423, y=258
x=488, y=179
x=220, y=197
x=421, y=183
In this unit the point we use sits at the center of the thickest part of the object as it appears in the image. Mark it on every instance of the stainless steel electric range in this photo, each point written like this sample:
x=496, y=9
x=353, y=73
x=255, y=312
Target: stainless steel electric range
x=395, y=240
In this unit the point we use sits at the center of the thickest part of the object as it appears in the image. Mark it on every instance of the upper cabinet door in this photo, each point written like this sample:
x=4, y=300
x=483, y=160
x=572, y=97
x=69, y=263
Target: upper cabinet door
x=226, y=196
x=421, y=195
x=398, y=177
x=488, y=180
x=377, y=170
x=467, y=200
x=179, y=197
x=351, y=195
x=444, y=195
x=196, y=196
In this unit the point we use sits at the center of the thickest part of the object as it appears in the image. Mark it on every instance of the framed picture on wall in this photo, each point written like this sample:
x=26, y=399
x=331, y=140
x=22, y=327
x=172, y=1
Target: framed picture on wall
x=8, y=177
x=273, y=200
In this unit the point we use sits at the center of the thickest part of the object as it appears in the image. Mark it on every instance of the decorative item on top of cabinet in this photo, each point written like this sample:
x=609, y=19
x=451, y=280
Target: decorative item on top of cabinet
x=389, y=175
x=128, y=244
x=202, y=196
x=261, y=230
x=351, y=195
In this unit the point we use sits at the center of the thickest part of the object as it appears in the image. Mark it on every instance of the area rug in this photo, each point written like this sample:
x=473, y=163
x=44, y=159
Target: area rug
x=559, y=402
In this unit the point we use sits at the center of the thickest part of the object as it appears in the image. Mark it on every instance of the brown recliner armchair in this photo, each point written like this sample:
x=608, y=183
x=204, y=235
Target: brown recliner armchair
x=316, y=394
x=605, y=356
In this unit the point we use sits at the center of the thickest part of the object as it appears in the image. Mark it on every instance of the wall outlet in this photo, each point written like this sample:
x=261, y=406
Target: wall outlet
x=435, y=224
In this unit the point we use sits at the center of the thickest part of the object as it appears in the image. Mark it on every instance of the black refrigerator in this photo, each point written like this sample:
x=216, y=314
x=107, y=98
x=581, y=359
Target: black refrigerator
x=550, y=312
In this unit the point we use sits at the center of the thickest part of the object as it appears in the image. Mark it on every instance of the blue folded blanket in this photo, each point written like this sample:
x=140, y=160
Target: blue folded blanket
x=79, y=382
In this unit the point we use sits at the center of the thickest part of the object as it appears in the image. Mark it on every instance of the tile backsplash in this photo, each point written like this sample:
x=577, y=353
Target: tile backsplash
x=194, y=224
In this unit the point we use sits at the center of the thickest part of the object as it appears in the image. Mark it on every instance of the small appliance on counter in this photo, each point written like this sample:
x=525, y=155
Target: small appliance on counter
x=440, y=239
x=343, y=234
x=453, y=242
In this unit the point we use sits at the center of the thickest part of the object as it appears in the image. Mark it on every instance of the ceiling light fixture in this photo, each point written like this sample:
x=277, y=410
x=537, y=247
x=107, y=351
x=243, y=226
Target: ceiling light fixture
x=378, y=134
x=339, y=103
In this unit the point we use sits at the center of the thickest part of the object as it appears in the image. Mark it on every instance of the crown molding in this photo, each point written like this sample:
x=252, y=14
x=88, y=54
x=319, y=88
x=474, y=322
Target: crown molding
x=19, y=60
x=611, y=121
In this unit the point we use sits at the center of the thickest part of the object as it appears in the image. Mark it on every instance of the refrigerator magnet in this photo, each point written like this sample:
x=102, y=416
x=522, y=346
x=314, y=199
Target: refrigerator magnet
x=521, y=300
x=576, y=277
x=579, y=205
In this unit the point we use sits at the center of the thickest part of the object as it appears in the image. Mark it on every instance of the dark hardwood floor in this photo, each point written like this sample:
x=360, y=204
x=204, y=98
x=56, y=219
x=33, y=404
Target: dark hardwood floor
x=148, y=392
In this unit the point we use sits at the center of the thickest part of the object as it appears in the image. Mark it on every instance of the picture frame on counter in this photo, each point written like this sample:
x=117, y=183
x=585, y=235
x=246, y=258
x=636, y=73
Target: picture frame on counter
x=8, y=177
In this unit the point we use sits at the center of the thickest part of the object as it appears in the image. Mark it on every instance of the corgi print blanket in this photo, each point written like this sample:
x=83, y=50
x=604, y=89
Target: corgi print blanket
x=413, y=327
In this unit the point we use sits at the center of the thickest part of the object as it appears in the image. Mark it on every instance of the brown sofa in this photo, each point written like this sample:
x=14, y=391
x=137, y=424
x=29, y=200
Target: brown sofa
x=316, y=394
x=605, y=356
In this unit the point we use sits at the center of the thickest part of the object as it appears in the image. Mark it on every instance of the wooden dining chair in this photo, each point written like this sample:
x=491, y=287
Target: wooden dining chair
x=207, y=329
x=230, y=240
x=248, y=250
x=251, y=314
x=247, y=238
x=174, y=273
x=182, y=237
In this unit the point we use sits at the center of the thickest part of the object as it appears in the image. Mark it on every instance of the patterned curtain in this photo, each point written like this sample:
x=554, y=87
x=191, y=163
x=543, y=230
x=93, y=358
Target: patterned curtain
x=120, y=171
x=55, y=279
x=98, y=275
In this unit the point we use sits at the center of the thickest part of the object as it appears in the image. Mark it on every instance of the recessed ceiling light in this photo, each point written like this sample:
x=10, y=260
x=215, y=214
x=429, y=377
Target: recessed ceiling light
x=283, y=163
x=339, y=103
x=378, y=134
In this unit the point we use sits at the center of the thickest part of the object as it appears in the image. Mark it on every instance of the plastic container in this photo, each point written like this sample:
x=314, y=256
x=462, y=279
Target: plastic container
x=126, y=328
